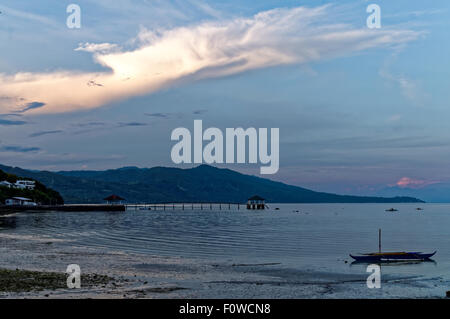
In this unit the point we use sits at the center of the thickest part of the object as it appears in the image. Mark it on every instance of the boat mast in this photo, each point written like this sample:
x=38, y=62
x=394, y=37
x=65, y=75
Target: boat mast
x=379, y=240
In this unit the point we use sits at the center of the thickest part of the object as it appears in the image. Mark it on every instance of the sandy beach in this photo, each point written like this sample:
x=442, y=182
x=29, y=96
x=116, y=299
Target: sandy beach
x=110, y=274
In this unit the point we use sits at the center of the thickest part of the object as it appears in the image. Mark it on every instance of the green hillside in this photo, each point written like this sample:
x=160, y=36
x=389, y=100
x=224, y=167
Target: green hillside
x=41, y=194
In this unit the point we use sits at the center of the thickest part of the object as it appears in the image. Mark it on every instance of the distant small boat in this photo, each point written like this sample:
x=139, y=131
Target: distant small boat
x=391, y=256
x=392, y=210
x=419, y=208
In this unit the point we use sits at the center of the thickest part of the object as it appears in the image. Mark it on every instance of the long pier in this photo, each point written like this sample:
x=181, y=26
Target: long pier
x=186, y=206
x=10, y=209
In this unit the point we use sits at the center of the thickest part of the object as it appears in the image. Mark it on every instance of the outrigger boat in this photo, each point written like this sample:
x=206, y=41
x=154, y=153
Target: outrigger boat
x=392, y=256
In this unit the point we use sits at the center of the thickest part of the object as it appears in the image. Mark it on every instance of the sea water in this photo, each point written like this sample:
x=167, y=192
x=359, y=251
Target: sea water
x=316, y=237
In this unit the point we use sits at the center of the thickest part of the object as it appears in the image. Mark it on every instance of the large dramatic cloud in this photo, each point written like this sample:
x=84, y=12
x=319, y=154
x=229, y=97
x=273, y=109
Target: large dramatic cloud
x=211, y=49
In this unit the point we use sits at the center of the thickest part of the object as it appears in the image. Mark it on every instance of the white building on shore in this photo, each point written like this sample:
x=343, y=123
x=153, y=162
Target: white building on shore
x=22, y=184
x=19, y=184
x=20, y=201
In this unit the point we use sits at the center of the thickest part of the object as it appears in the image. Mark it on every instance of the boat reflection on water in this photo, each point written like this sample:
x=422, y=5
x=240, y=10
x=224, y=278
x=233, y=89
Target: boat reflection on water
x=394, y=263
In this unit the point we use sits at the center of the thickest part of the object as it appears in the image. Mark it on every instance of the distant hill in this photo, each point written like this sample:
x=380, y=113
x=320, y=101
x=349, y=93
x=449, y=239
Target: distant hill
x=434, y=193
x=40, y=194
x=200, y=184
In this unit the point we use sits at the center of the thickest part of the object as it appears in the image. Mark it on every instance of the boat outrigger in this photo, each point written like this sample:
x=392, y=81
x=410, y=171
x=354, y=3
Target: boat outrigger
x=392, y=256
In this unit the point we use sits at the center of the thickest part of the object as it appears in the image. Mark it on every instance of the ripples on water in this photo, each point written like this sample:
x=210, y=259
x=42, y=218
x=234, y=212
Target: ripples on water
x=319, y=236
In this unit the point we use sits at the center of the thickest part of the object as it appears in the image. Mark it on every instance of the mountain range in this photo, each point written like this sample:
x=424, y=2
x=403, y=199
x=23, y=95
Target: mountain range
x=203, y=183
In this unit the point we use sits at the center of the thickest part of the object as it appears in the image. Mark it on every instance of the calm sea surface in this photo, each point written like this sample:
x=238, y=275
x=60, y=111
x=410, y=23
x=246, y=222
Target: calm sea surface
x=309, y=236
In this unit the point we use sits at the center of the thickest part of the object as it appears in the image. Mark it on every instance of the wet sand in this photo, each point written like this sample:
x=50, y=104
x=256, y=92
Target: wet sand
x=18, y=280
x=42, y=263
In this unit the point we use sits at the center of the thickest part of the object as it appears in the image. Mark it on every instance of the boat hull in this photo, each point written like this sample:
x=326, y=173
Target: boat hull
x=404, y=256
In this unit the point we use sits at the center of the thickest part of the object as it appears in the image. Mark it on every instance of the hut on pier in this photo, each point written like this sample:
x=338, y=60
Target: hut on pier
x=256, y=202
x=114, y=199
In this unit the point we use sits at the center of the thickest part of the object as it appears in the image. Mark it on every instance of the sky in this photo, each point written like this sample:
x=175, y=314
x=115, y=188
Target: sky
x=361, y=111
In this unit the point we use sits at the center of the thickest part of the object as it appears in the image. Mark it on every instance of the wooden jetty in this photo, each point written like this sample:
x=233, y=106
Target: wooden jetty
x=254, y=202
x=10, y=209
x=185, y=206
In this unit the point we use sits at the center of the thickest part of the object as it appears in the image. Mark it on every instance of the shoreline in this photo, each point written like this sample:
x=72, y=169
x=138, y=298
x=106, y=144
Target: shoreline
x=115, y=275
x=11, y=209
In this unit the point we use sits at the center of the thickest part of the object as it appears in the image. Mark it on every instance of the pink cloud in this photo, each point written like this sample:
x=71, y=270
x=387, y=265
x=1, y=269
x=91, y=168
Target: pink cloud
x=406, y=182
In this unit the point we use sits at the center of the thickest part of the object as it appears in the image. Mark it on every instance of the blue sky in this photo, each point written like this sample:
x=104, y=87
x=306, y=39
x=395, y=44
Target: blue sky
x=358, y=112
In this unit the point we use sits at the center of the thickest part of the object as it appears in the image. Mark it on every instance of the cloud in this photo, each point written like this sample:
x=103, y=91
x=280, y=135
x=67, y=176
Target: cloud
x=406, y=182
x=408, y=87
x=12, y=99
x=101, y=126
x=90, y=124
x=166, y=58
x=165, y=116
x=30, y=106
x=11, y=122
x=90, y=127
x=159, y=115
x=97, y=47
x=394, y=118
x=18, y=149
x=204, y=7
x=37, y=134
x=93, y=83
x=198, y=112
x=58, y=161
x=417, y=13
x=20, y=15
x=11, y=114
x=121, y=124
